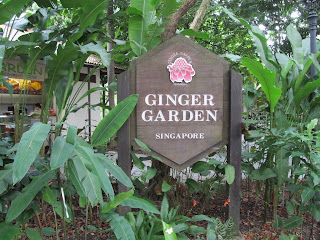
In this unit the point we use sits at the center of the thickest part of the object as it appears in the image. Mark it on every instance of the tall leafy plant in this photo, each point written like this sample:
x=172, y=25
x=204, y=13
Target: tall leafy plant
x=287, y=87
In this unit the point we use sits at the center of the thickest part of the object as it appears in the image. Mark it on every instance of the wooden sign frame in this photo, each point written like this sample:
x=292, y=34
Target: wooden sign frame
x=232, y=115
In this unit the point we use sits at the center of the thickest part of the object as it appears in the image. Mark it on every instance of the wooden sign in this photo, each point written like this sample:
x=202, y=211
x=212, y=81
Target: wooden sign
x=182, y=112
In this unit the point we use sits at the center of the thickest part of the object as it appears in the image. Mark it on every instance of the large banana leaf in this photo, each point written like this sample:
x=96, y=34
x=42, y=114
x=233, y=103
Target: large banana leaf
x=29, y=147
x=267, y=80
x=111, y=123
x=136, y=202
x=90, y=11
x=98, y=169
x=58, y=68
x=21, y=202
x=10, y=8
x=138, y=25
x=98, y=49
x=296, y=44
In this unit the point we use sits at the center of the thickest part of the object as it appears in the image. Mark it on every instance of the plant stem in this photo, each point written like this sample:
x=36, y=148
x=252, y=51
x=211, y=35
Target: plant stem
x=62, y=206
x=55, y=220
x=86, y=227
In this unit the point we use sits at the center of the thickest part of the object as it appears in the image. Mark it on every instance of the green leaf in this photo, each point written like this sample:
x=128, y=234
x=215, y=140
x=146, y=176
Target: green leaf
x=136, y=161
x=72, y=3
x=267, y=80
x=71, y=135
x=142, y=145
x=230, y=173
x=5, y=179
x=61, y=151
x=164, y=208
x=192, y=184
x=168, y=232
x=193, y=229
x=296, y=44
x=307, y=194
x=88, y=179
x=99, y=49
x=111, y=123
x=200, y=167
x=292, y=223
x=10, y=8
x=48, y=231
x=98, y=169
x=138, y=25
x=121, y=227
x=87, y=17
x=8, y=231
x=282, y=166
x=29, y=147
x=151, y=172
x=192, y=33
x=263, y=174
x=278, y=222
x=115, y=170
x=165, y=186
x=306, y=90
x=33, y=234
x=75, y=179
x=289, y=207
x=28, y=193
x=136, y=202
x=117, y=201
x=315, y=211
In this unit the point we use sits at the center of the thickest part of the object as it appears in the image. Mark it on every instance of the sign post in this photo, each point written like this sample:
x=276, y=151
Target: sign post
x=185, y=109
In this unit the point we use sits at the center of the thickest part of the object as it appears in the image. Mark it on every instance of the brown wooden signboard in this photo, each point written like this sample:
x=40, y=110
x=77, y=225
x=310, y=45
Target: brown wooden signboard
x=189, y=105
x=182, y=112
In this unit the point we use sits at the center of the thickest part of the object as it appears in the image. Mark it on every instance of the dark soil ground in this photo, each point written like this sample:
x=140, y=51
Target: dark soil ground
x=252, y=225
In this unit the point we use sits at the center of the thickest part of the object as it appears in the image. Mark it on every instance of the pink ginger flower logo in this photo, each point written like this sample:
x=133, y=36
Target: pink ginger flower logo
x=181, y=70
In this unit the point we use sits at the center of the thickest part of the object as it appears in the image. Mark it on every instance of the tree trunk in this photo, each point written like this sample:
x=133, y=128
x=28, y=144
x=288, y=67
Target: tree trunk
x=174, y=19
x=200, y=14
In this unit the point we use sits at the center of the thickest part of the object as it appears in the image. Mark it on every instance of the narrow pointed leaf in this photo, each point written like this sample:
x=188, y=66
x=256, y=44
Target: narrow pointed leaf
x=88, y=179
x=22, y=201
x=61, y=151
x=115, y=171
x=111, y=123
x=98, y=169
x=291, y=223
x=29, y=147
x=117, y=200
x=307, y=194
x=136, y=202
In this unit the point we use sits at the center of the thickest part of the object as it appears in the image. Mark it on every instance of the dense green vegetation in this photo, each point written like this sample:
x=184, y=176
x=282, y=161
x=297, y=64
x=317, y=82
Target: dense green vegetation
x=265, y=41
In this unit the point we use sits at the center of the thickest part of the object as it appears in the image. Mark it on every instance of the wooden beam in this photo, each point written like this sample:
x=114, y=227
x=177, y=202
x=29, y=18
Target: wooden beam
x=124, y=146
x=234, y=147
